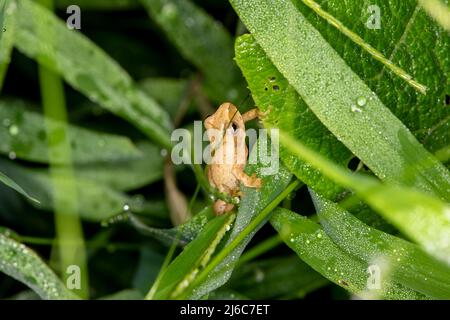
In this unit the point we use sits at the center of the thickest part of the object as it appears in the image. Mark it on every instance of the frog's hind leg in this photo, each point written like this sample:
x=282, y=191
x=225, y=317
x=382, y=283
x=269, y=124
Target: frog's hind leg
x=249, y=181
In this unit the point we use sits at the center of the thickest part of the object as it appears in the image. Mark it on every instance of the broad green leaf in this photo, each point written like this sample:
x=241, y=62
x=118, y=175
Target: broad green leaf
x=420, y=216
x=276, y=278
x=412, y=41
x=339, y=98
x=23, y=135
x=314, y=247
x=125, y=175
x=204, y=42
x=7, y=26
x=24, y=265
x=408, y=264
x=287, y=111
x=42, y=36
x=186, y=264
x=10, y=183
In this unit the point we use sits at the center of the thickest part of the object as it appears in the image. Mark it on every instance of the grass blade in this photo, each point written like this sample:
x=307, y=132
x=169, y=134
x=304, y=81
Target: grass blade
x=21, y=263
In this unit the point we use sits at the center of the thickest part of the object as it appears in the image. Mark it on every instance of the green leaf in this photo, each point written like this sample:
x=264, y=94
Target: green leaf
x=422, y=217
x=182, y=234
x=408, y=264
x=10, y=183
x=288, y=112
x=333, y=92
x=314, y=247
x=126, y=175
x=276, y=278
x=204, y=42
x=186, y=264
x=42, y=36
x=7, y=31
x=96, y=202
x=168, y=92
x=23, y=134
x=21, y=263
x=412, y=41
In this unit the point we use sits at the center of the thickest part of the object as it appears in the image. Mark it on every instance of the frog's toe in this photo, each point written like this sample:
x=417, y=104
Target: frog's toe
x=221, y=207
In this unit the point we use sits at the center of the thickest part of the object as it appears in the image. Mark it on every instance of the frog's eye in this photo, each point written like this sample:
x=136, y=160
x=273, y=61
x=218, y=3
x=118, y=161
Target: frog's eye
x=234, y=126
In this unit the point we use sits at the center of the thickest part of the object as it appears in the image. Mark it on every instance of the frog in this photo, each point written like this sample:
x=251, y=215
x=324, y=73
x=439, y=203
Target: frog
x=225, y=176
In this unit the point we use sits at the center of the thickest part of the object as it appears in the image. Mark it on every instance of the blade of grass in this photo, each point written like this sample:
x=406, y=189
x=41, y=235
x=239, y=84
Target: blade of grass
x=254, y=224
x=313, y=246
x=23, y=264
x=421, y=217
x=409, y=265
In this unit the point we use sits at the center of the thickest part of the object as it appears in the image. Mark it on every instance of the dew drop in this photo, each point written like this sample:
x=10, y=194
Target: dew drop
x=361, y=101
x=12, y=155
x=355, y=109
x=163, y=152
x=6, y=122
x=169, y=11
x=126, y=207
x=13, y=130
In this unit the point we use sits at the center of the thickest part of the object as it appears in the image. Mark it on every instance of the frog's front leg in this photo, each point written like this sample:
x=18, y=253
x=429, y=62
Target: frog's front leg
x=253, y=114
x=249, y=181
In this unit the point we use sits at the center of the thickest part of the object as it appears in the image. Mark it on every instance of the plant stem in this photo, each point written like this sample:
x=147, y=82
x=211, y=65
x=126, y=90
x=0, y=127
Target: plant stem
x=69, y=233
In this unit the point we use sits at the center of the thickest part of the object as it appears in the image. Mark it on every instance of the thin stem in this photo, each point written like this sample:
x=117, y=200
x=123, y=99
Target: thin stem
x=69, y=233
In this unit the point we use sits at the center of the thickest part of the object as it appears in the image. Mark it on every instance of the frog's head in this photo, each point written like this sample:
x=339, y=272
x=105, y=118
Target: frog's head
x=226, y=116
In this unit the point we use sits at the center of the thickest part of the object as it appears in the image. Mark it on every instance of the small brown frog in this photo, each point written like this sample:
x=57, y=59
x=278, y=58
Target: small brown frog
x=222, y=174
